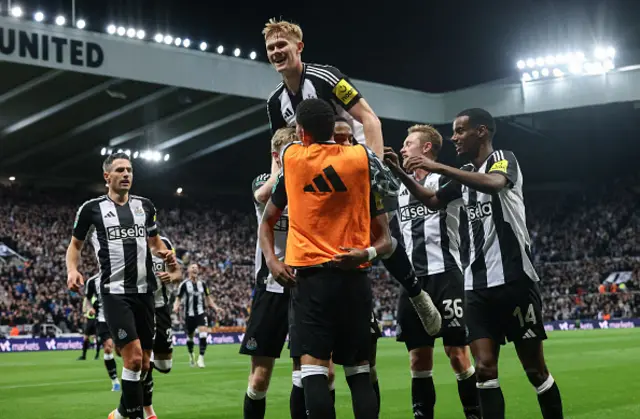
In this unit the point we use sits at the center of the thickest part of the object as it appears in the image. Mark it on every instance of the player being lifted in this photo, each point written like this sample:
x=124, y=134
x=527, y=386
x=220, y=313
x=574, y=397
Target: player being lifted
x=197, y=298
x=283, y=41
x=432, y=242
x=92, y=292
x=127, y=236
x=501, y=285
x=161, y=357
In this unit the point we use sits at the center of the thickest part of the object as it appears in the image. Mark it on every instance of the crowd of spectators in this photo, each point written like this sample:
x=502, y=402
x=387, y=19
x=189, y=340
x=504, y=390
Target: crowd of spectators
x=578, y=240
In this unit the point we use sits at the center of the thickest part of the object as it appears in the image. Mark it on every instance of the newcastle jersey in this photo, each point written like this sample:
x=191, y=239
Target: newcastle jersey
x=431, y=238
x=499, y=244
x=317, y=81
x=119, y=237
x=92, y=293
x=193, y=295
x=264, y=279
x=161, y=295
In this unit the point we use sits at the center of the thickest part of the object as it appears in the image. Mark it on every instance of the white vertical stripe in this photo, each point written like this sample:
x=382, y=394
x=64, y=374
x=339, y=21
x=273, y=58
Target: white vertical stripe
x=115, y=248
x=140, y=218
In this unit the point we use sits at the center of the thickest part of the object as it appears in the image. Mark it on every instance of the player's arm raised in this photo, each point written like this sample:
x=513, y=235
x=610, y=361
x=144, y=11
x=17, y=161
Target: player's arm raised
x=372, y=126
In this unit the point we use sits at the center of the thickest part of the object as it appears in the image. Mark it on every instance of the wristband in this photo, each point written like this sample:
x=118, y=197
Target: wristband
x=372, y=253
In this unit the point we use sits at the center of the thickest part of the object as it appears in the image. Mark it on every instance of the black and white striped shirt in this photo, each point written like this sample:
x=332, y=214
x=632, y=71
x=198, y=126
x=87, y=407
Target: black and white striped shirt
x=161, y=295
x=264, y=279
x=120, y=242
x=317, y=81
x=193, y=295
x=499, y=248
x=431, y=238
x=91, y=291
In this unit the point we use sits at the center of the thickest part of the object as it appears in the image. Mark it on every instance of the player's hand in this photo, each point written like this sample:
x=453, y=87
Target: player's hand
x=168, y=256
x=419, y=162
x=283, y=274
x=391, y=159
x=75, y=281
x=352, y=259
x=92, y=312
x=168, y=277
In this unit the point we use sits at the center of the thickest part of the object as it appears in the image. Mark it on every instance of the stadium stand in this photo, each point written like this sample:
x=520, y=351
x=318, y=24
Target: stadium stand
x=585, y=246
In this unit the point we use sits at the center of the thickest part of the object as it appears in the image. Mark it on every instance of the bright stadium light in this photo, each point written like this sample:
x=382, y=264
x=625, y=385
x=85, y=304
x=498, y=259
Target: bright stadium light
x=178, y=41
x=38, y=16
x=103, y=151
x=539, y=61
x=203, y=46
x=611, y=52
x=16, y=11
x=121, y=31
x=168, y=39
x=521, y=64
x=608, y=65
x=545, y=72
x=166, y=157
x=109, y=151
x=220, y=49
x=179, y=191
x=120, y=150
x=535, y=74
x=131, y=33
x=531, y=62
x=156, y=156
x=141, y=34
x=253, y=55
x=237, y=52
x=81, y=24
x=13, y=178
x=159, y=37
x=575, y=63
x=111, y=29
x=557, y=72
x=526, y=77
x=186, y=43
x=136, y=154
x=61, y=20
x=575, y=68
x=127, y=152
x=600, y=53
x=550, y=60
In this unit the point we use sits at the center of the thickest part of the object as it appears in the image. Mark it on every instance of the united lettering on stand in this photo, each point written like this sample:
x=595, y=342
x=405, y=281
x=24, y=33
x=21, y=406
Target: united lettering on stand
x=58, y=49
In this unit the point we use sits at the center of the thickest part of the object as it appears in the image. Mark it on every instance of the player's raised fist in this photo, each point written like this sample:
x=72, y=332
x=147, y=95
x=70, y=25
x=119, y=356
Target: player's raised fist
x=74, y=281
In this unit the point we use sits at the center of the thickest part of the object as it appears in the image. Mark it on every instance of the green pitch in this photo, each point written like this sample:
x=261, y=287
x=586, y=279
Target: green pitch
x=596, y=371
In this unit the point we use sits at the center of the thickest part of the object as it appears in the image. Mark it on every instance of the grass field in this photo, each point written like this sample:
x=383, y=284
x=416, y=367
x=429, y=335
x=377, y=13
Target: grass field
x=594, y=369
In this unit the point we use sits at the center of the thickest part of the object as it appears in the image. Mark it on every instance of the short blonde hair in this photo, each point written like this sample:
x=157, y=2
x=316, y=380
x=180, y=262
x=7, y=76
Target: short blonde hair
x=284, y=28
x=282, y=137
x=428, y=134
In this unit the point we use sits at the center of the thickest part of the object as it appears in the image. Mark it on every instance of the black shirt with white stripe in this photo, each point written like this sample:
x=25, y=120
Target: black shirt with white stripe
x=431, y=238
x=119, y=238
x=193, y=293
x=161, y=295
x=91, y=291
x=264, y=279
x=499, y=248
x=317, y=81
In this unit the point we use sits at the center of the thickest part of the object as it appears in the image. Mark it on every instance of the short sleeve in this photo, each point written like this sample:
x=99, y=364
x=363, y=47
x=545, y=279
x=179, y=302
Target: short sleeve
x=506, y=164
x=150, y=209
x=340, y=89
x=168, y=244
x=279, y=192
x=448, y=190
x=83, y=221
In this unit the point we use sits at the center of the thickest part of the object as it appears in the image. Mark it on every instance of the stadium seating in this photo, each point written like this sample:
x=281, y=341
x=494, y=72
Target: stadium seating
x=579, y=239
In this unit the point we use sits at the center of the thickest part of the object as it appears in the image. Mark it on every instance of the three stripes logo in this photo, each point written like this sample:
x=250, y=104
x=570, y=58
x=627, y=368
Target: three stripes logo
x=110, y=214
x=322, y=185
x=529, y=334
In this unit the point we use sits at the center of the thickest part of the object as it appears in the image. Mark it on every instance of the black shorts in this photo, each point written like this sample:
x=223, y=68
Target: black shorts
x=163, y=342
x=102, y=331
x=268, y=324
x=90, y=327
x=130, y=317
x=193, y=322
x=331, y=314
x=512, y=311
x=446, y=289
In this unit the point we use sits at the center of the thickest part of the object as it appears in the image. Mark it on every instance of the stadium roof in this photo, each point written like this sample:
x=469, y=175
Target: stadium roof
x=55, y=117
